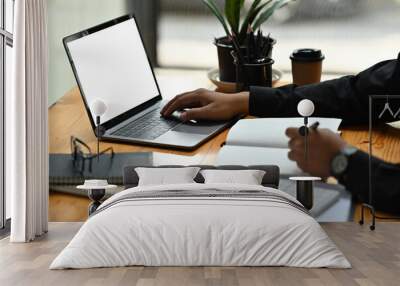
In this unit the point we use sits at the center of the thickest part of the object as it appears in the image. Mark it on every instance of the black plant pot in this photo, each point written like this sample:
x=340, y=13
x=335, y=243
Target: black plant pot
x=257, y=74
x=227, y=69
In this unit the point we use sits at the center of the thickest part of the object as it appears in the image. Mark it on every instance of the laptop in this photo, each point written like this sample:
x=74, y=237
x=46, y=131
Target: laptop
x=110, y=64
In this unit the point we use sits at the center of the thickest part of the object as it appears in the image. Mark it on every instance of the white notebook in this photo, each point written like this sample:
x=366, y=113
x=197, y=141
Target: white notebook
x=263, y=142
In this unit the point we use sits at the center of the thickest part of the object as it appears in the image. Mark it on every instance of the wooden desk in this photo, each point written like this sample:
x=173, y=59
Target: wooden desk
x=68, y=117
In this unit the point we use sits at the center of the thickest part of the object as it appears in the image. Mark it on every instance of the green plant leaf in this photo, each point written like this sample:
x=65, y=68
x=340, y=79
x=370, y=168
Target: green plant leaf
x=232, y=13
x=267, y=13
x=254, y=10
x=214, y=9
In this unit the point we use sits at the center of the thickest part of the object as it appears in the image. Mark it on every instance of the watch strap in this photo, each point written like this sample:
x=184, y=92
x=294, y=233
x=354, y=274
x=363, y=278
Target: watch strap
x=346, y=152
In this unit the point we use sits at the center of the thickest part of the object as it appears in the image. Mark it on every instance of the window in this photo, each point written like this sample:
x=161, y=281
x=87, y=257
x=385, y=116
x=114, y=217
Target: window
x=353, y=34
x=6, y=43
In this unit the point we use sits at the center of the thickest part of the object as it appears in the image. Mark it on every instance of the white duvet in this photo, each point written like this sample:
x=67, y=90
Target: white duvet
x=206, y=231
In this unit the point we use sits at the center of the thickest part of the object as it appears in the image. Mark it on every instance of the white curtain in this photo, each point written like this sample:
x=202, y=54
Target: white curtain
x=26, y=119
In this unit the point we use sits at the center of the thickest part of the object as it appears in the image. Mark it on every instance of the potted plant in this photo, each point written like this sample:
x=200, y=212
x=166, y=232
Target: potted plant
x=253, y=63
x=237, y=23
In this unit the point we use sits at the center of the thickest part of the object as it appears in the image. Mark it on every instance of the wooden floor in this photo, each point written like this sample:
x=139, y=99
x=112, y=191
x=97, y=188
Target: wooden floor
x=375, y=257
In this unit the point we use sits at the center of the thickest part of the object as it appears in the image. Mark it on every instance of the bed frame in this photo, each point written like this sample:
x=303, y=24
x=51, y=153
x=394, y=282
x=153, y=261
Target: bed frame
x=270, y=179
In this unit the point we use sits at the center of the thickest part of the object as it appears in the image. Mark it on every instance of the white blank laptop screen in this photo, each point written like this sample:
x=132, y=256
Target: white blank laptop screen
x=112, y=66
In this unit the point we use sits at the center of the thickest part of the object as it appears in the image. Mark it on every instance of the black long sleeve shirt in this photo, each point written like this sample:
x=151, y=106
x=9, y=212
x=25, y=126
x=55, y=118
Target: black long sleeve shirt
x=346, y=98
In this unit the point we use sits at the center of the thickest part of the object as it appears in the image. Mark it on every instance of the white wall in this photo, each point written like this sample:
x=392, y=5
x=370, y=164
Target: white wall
x=66, y=17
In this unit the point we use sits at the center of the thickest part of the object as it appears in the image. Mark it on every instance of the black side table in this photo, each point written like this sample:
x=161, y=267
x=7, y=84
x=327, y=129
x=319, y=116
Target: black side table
x=305, y=190
x=96, y=191
x=96, y=195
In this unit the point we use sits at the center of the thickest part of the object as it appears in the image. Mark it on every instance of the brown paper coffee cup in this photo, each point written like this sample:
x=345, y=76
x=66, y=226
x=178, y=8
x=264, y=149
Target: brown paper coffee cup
x=307, y=66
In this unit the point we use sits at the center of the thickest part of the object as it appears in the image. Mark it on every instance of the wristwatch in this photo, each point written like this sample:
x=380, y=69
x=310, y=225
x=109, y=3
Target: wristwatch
x=340, y=162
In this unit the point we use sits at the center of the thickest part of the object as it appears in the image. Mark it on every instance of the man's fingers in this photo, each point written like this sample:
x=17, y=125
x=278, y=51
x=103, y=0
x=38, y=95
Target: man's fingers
x=292, y=155
x=181, y=102
x=298, y=158
x=292, y=132
x=176, y=98
x=165, y=108
x=296, y=144
x=296, y=155
x=195, y=114
x=301, y=165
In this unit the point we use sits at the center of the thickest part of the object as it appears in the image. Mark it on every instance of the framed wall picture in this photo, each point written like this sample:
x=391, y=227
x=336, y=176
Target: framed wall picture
x=383, y=109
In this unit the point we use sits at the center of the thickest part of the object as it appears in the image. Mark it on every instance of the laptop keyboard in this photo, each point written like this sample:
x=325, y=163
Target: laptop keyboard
x=148, y=127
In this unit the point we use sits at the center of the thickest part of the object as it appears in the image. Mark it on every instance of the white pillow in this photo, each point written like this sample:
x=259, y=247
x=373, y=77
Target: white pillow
x=247, y=177
x=166, y=176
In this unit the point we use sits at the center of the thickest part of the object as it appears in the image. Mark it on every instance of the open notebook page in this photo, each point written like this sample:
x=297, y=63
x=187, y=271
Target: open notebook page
x=242, y=155
x=270, y=132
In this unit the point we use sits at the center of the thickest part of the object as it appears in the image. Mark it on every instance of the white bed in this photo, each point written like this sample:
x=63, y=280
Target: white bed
x=247, y=226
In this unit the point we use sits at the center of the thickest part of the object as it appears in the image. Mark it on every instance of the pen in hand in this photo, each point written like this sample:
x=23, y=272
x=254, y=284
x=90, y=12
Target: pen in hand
x=313, y=127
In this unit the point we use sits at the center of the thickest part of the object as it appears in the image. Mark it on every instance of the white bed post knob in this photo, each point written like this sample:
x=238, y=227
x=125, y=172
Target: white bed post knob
x=98, y=108
x=306, y=108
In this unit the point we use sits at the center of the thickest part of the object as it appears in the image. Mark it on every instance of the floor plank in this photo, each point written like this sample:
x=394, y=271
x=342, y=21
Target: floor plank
x=375, y=257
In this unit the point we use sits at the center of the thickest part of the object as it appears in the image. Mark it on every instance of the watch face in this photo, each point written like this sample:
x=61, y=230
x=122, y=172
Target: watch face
x=339, y=164
x=348, y=151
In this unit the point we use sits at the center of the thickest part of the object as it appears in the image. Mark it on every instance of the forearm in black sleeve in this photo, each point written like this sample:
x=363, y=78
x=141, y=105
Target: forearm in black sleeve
x=346, y=97
x=385, y=182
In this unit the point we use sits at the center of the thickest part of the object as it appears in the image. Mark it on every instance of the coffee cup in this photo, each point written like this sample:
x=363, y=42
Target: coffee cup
x=307, y=66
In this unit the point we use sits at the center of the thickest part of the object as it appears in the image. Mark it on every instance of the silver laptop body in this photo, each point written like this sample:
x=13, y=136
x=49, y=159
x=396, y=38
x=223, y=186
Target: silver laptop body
x=110, y=64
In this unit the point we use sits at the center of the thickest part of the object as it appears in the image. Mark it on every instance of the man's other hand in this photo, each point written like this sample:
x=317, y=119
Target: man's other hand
x=323, y=145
